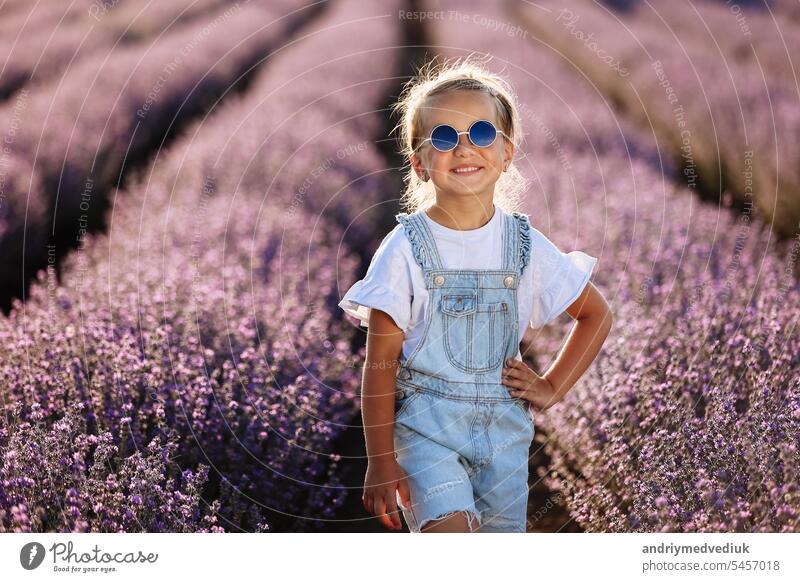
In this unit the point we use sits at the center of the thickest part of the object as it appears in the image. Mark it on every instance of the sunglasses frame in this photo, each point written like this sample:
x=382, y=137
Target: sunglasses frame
x=460, y=133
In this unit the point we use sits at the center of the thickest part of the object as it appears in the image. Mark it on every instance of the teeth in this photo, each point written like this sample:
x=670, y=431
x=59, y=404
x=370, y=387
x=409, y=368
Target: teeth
x=465, y=170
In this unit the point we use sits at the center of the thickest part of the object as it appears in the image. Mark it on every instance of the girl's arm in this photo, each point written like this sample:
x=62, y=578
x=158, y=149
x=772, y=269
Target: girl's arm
x=384, y=343
x=385, y=479
x=594, y=319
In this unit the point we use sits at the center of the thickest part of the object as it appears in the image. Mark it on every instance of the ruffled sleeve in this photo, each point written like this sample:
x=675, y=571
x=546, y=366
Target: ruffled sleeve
x=558, y=278
x=386, y=286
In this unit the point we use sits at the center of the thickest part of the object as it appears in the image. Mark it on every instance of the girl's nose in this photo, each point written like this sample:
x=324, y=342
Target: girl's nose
x=463, y=143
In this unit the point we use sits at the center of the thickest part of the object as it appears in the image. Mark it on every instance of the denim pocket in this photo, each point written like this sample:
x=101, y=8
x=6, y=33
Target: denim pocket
x=475, y=334
x=459, y=305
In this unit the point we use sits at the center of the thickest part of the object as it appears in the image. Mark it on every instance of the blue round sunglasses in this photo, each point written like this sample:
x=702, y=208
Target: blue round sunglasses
x=444, y=137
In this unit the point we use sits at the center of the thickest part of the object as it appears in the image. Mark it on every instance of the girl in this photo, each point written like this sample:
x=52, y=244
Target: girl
x=450, y=291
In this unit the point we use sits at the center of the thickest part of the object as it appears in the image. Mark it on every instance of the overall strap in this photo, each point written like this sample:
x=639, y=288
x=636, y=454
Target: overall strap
x=423, y=244
x=518, y=254
x=510, y=243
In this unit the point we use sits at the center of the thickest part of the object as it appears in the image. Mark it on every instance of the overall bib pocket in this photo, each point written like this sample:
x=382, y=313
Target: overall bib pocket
x=475, y=334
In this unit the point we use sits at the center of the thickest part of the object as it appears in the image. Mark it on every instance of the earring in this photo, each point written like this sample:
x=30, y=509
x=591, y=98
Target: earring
x=425, y=177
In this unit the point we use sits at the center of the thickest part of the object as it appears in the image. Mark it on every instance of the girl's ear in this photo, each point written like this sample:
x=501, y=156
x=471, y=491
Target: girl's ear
x=508, y=154
x=419, y=168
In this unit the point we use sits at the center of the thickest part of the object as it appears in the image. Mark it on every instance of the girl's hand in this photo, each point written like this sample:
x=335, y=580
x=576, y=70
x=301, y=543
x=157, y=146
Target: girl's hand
x=522, y=382
x=383, y=480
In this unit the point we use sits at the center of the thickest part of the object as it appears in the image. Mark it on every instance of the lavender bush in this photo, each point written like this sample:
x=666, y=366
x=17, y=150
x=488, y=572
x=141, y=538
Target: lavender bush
x=79, y=132
x=48, y=39
x=719, y=91
x=62, y=479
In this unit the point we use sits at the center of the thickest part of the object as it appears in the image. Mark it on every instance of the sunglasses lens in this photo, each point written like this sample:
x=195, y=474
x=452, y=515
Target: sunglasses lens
x=482, y=133
x=444, y=138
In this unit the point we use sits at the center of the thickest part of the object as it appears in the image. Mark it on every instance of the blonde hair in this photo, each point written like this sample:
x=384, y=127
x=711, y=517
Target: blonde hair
x=456, y=75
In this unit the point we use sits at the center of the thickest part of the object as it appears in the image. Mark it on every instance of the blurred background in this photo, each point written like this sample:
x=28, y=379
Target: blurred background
x=188, y=188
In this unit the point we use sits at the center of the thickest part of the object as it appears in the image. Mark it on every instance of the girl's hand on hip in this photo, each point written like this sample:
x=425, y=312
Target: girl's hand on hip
x=522, y=382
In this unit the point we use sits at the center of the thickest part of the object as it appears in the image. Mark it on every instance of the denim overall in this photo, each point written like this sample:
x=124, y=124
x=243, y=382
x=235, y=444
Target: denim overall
x=460, y=437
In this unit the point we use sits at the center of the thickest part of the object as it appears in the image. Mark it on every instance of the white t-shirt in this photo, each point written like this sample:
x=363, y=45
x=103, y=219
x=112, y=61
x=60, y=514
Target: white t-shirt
x=394, y=282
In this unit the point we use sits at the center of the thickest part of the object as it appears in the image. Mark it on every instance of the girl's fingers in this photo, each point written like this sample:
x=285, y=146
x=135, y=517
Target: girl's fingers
x=404, y=492
x=516, y=371
x=367, y=503
x=518, y=394
x=394, y=516
x=508, y=373
x=513, y=382
x=380, y=511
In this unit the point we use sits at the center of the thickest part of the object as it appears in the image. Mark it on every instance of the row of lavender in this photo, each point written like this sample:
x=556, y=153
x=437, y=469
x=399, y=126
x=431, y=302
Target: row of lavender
x=717, y=83
x=45, y=40
x=689, y=420
x=195, y=344
x=69, y=140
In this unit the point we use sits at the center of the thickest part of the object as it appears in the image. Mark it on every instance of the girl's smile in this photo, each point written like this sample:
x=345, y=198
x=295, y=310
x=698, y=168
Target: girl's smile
x=466, y=170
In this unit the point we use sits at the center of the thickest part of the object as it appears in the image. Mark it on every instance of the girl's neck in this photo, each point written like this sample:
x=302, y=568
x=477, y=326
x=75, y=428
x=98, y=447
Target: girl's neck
x=462, y=216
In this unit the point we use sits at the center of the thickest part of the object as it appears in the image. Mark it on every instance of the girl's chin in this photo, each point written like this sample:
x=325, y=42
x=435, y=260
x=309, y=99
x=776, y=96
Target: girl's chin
x=469, y=191
x=468, y=183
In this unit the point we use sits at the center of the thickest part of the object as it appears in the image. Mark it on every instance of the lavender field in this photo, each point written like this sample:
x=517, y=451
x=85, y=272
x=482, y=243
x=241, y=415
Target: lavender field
x=187, y=190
